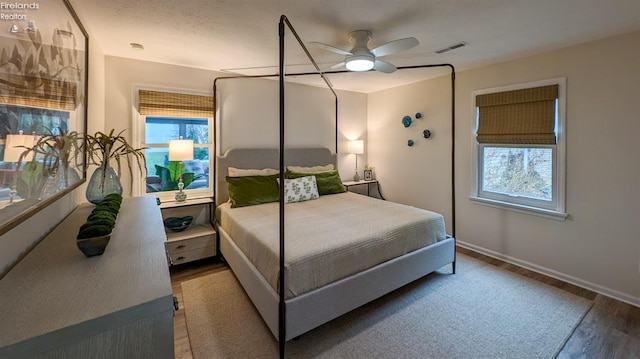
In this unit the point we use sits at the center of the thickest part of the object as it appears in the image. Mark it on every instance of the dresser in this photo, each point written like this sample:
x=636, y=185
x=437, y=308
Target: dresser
x=57, y=303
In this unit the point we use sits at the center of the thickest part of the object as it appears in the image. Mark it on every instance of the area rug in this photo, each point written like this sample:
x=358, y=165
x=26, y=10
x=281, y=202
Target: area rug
x=480, y=312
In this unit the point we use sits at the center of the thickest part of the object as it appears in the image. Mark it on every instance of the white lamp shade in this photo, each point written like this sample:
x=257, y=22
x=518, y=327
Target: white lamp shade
x=11, y=150
x=356, y=147
x=180, y=150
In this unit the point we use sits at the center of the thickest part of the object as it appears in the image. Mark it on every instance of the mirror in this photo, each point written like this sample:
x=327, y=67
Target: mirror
x=43, y=106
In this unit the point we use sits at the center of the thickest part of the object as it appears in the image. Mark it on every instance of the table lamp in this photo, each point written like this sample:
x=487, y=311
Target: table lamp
x=356, y=147
x=180, y=150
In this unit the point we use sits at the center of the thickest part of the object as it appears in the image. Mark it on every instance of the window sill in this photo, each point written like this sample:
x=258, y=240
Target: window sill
x=545, y=213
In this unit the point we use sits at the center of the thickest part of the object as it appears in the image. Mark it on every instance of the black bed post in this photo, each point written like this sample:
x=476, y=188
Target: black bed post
x=281, y=75
x=453, y=165
x=282, y=322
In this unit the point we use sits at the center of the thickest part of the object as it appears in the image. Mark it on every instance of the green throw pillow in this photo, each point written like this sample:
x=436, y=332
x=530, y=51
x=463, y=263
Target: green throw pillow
x=251, y=190
x=328, y=182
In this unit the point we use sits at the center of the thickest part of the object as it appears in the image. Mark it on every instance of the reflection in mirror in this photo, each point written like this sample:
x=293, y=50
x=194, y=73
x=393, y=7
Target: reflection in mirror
x=43, y=89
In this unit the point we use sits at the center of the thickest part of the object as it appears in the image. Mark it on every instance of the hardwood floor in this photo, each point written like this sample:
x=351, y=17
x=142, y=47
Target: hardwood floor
x=181, y=274
x=611, y=329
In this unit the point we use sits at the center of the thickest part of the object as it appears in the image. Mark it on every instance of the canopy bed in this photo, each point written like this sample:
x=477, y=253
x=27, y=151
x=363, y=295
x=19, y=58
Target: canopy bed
x=330, y=262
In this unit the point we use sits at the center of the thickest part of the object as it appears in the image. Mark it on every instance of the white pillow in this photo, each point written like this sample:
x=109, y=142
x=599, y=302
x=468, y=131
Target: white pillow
x=241, y=172
x=312, y=169
x=300, y=189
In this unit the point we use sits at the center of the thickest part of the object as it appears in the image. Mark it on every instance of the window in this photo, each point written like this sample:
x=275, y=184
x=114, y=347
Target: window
x=519, y=148
x=165, y=116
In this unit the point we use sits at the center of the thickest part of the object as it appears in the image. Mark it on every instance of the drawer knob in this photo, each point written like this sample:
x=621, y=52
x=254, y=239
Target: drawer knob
x=181, y=246
x=180, y=258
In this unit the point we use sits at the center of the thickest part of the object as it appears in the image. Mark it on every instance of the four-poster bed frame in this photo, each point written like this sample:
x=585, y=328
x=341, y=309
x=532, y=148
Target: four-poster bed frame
x=298, y=315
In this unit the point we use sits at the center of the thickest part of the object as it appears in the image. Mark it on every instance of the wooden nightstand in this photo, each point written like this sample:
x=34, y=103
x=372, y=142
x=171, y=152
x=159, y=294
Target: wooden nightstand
x=198, y=241
x=349, y=184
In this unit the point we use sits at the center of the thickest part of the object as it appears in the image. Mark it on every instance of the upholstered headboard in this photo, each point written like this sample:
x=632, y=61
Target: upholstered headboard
x=258, y=158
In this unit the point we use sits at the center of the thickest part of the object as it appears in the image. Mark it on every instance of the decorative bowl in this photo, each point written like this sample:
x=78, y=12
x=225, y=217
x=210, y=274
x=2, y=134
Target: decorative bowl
x=178, y=224
x=94, y=246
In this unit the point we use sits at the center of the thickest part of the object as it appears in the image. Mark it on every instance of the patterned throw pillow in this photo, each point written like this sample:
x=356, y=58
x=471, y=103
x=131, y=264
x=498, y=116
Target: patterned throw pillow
x=300, y=189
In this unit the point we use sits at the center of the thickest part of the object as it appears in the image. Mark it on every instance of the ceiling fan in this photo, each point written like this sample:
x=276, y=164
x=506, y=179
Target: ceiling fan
x=360, y=58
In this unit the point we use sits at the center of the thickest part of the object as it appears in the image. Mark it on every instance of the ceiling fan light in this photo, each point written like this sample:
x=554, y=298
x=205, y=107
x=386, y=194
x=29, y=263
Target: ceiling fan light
x=359, y=63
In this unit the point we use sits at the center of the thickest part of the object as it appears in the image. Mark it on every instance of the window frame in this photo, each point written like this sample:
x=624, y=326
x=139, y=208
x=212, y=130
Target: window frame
x=556, y=209
x=140, y=188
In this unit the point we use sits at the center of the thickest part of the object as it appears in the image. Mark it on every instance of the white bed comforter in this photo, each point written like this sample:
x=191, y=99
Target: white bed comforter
x=328, y=238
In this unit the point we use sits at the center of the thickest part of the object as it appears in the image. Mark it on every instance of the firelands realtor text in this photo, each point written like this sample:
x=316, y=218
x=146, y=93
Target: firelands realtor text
x=10, y=10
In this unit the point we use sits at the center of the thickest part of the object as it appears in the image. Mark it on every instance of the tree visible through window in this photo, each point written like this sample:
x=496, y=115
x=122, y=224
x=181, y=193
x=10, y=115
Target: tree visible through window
x=520, y=147
x=519, y=172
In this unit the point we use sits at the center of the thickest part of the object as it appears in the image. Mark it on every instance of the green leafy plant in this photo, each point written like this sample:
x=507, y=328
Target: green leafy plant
x=170, y=175
x=102, y=148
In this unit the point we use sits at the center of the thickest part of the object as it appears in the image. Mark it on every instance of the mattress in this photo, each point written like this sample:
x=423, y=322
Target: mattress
x=329, y=238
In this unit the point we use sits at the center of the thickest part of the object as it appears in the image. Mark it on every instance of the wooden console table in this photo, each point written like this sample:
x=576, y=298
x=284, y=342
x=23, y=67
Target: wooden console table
x=57, y=303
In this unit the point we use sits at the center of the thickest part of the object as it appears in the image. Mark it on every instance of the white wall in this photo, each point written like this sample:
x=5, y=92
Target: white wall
x=18, y=242
x=598, y=247
x=248, y=110
x=419, y=175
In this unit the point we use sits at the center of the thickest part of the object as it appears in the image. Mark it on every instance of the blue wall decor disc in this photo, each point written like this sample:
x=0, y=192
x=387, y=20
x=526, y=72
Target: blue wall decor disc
x=406, y=121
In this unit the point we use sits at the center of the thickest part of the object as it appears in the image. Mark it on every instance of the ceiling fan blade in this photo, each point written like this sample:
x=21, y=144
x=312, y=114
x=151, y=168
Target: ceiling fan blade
x=395, y=46
x=383, y=66
x=337, y=66
x=330, y=48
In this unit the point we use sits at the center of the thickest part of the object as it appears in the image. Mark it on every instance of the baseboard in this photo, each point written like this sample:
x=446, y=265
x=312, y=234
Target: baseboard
x=635, y=301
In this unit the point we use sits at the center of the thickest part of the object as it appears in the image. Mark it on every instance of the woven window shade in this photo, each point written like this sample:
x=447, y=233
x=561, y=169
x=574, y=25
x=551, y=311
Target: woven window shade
x=38, y=92
x=156, y=103
x=518, y=117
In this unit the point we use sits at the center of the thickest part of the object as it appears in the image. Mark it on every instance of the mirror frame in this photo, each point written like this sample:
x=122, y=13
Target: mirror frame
x=67, y=25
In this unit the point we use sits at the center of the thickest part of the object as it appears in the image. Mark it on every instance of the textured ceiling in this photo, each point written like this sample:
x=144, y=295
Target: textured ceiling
x=241, y=36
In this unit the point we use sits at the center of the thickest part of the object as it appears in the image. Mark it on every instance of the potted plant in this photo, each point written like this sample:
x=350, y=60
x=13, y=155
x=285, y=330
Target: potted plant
x=52, y=168
x=101, y=149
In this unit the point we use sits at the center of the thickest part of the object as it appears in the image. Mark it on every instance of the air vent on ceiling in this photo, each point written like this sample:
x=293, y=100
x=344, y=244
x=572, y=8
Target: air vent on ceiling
x=452, y=47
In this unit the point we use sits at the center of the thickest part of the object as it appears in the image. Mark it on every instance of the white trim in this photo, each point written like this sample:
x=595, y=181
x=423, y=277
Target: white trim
x=560, y=160
x=623, y=297
x=536, y=211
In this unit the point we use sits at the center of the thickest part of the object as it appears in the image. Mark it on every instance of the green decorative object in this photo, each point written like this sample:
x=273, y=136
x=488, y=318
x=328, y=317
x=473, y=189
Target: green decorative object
x=93, y=236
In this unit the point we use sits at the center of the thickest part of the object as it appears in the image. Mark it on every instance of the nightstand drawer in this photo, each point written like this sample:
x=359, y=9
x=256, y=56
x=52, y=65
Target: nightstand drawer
x=177, y=246
x=191, y=255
